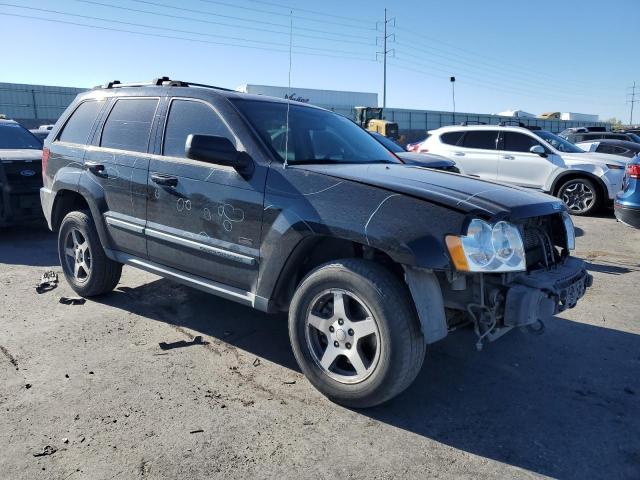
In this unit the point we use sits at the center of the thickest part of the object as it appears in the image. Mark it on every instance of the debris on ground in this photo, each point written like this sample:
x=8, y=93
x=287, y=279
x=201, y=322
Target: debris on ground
x=48, y=450
x=197, y=340
x=48, y=281
x=73, y=300
x=65, y=440
x=28, y=386
x=256, y=362
x=289, y=382
x=197, y=431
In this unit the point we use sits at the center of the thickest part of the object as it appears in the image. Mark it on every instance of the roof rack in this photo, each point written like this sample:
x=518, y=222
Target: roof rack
x=472, y=122
x=159, y=82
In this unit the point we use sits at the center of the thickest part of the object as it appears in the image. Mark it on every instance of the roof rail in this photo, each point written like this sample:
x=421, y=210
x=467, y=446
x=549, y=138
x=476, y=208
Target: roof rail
x=472, y=122
x=159, y=82
x=511, y=122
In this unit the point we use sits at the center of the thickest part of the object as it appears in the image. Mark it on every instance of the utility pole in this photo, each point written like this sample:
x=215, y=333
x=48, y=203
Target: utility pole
x=384, y=53
x=453, y=93
x=632, y=102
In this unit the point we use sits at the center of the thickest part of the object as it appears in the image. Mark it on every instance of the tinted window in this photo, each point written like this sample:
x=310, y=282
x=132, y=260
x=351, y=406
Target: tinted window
x=313, y=135
x=13, y=135
x=484, y=139
x=79, y=125
x=387, y=142
x=187, y=117
x=451, y=138
x=518, y=142
x=129, y=124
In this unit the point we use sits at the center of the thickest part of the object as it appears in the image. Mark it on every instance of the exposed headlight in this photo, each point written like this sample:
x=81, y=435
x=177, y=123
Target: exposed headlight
x=570, y=230
x=488, y=248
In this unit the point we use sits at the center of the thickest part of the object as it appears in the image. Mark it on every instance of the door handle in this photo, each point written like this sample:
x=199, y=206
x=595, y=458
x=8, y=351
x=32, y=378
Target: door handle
x=94, y=167
x=508, y=157
x=164, y=180
x=458, y=154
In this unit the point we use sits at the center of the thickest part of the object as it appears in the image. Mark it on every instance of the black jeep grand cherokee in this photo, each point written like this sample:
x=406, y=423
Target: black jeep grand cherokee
x=284, y=206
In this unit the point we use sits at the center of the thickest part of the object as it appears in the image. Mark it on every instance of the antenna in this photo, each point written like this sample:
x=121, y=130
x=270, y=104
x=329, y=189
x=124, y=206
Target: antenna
x=286, y=134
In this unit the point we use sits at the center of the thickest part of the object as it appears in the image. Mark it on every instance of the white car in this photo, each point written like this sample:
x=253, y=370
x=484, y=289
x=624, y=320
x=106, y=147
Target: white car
x=531, y=158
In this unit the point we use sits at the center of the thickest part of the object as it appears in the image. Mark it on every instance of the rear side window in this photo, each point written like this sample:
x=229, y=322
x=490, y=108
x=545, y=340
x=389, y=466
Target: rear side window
x=189, y=117
x=484, y=139
x=79, y=125
x=129, y=124
x=451, y=138
x=518, y=142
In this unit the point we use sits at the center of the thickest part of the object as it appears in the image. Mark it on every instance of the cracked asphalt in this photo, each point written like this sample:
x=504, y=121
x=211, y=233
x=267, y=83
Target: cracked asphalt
x=161, y=381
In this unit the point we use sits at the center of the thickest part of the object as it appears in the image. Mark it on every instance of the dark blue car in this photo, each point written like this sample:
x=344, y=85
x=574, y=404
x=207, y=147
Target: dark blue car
x=627, y=206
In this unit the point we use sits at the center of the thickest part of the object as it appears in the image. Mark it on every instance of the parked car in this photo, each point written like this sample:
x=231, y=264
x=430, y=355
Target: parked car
x=586, y=134
x=424, y=160
x=413, y=147
x=534, y=159
x=612, y=147
x=627, y=205
x=197, y=184
x=20, y=174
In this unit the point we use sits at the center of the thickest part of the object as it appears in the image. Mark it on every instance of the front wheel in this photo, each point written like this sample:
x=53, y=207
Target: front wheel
x=580, y=196
x=355, y=333
x=86, y=267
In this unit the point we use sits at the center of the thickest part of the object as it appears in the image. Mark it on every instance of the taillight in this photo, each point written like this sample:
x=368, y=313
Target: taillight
x=45, y=160
x=633, y=170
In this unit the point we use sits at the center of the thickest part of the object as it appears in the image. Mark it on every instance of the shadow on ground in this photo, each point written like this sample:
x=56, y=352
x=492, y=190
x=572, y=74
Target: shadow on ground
x=33, y=246
x=564, y=404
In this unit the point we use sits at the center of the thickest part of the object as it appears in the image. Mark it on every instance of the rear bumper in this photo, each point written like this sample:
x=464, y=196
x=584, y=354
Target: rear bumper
x=540, y=294
x=628, y=215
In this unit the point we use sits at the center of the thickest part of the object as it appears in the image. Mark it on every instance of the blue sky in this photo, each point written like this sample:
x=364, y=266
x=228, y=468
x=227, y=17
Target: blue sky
x=535, y=56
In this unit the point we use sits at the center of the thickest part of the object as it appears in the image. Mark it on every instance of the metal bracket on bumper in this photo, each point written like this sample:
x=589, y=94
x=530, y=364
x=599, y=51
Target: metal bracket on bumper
x=543, y=293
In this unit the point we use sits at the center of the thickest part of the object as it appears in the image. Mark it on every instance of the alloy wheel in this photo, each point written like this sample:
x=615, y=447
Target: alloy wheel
x=578, y=196
x=77, y=255
x=342, y=336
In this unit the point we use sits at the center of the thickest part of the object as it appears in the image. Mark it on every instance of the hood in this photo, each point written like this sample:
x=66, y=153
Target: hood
x=425, y=160
x=600, y=159
x=20, y=155
x=459, y=192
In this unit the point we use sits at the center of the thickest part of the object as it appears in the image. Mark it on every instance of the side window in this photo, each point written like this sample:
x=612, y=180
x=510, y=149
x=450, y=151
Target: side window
x=80, y=123
x=518, y=142
x=187, y=117
x=484, y=139
x=602, y=148
x=451, y=138
x=129, y=124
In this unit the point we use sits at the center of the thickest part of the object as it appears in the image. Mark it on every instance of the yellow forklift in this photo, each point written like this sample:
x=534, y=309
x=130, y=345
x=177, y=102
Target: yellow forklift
x=370, y=118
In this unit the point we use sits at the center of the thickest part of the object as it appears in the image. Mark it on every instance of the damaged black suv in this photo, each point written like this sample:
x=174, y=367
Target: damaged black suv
x=283, y=206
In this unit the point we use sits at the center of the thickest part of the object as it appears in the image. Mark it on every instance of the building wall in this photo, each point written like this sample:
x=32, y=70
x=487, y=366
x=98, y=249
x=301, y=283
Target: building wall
x=313, y=96
x=33, y=105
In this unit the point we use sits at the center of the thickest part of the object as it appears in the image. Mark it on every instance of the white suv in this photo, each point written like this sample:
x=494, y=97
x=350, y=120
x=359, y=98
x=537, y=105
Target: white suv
x=533, y=159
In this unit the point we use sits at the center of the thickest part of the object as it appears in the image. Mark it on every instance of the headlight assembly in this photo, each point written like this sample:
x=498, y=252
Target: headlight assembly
x=488, y=248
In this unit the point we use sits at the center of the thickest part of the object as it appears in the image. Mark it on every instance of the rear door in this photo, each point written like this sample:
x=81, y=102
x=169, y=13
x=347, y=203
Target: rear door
x=203, y=218
x=476, y=154
x=118, y=161
x=518, y=166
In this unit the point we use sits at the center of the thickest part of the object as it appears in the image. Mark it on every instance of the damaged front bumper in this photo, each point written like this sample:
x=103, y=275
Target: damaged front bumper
x=539, y=294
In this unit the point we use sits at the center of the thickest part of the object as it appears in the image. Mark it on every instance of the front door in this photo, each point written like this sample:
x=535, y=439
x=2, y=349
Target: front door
x=518, y=166
x=476, y=154
x=118, y=161
x=203, y=219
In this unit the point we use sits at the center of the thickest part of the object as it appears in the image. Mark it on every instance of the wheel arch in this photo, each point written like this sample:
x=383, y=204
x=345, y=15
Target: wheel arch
x=571, y=175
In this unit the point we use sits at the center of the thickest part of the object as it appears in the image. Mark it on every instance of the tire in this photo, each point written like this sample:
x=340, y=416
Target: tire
x=79, y=244
x=580, y=195
x=389, y=358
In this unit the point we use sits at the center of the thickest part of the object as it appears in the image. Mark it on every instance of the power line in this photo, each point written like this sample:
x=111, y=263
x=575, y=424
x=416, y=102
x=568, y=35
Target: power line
x=167, y=15
x=191, y=32
x=308, y=19
x=173, y=37
x=498, y=63
x=315, y=12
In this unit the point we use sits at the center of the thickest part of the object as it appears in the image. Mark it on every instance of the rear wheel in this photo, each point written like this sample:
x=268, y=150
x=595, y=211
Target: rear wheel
x=355, y=333
x=86, y=267
x=580, y=195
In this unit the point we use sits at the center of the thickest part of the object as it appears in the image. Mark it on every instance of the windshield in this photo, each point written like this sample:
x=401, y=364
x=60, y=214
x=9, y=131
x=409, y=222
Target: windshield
x=14, y=136
x=387, y=142
x=315, y=136
x=557, y=142
x=634, y=136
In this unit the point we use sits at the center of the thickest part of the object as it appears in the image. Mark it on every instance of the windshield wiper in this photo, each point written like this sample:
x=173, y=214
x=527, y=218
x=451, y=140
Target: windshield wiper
x=321, y=161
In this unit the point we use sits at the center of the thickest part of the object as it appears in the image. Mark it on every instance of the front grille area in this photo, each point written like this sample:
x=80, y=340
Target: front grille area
x=543, y=239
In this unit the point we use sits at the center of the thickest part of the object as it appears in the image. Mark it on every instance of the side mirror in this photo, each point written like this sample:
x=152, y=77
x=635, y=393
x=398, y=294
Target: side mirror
x=538, y=150
x=218, y=150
